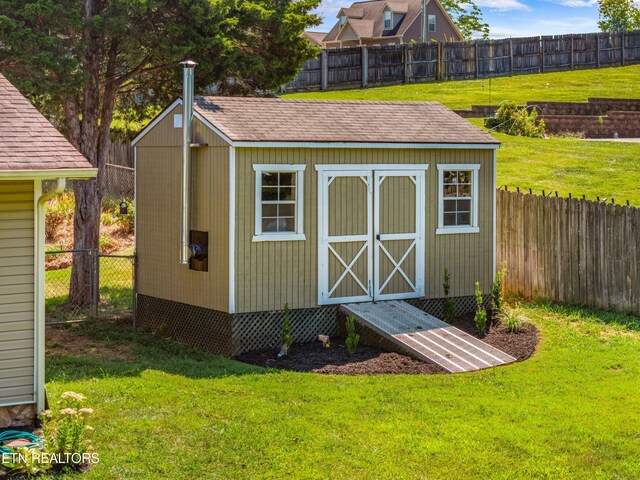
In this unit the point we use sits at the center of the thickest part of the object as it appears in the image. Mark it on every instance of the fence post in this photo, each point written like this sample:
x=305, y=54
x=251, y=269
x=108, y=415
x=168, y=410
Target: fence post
x=95, y=287
x=365, y=66
x=541, y=54
x=439, y=62
x=597, y=50
x=511, y=56
x=572, y=52
x=475, y=57
x=134, y=260
x=622, y=48
x=407, y=58
x=324, y=70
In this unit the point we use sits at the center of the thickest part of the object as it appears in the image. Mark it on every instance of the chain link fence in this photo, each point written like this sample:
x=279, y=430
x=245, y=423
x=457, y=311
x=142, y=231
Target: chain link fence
x=118, y=183
x=107, y=291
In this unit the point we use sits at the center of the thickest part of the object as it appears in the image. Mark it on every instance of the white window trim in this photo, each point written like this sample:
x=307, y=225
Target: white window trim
x=390, y=14
x=435, y=24
x=261, y=236
x=475, y=168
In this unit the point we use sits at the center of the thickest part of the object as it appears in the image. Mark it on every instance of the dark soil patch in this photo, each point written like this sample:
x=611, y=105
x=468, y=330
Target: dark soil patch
x=313, y=357
x=62, y=341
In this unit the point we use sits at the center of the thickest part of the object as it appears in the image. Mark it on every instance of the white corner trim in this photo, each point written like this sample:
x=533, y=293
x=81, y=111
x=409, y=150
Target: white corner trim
x=278, y=237
x=156, y=120
x=232, y=230
x=372, y=145
x=456, y=230
x=495, y=213
x=259, y=235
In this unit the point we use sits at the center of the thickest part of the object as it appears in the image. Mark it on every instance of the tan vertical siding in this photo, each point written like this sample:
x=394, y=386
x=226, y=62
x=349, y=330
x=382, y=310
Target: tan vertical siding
x=16, y=292
x=270, y=274
x=158, y=176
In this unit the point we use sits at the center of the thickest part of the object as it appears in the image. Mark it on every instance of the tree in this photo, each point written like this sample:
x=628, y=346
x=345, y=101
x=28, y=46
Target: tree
x=467, y=16
x=79, y=60
x=618, y=15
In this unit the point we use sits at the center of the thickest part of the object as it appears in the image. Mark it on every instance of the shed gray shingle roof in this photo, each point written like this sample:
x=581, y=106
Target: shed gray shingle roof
x=278, y=120
x=27, y=140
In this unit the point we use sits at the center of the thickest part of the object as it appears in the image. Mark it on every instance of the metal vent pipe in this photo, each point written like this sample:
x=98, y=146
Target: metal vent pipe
x=187, y=122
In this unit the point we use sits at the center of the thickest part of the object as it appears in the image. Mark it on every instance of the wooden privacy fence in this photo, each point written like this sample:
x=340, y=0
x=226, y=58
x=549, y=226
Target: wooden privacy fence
x=570, y=250
x=389, y=64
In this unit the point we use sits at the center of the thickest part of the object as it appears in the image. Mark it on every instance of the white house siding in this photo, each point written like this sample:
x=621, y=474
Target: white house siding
x=16, y=292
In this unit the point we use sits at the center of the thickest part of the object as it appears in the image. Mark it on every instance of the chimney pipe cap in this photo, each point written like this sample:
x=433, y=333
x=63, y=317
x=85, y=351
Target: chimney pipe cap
x=188, y=63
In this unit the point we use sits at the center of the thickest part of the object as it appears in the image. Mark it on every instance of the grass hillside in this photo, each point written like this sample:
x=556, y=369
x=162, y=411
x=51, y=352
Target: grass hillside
x=569, y=165
x=574, y=86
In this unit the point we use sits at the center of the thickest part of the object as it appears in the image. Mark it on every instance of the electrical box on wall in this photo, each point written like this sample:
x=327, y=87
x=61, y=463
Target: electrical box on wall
x=199, y=242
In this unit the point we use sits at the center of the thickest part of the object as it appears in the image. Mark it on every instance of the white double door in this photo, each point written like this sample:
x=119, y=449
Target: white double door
x=371, y=234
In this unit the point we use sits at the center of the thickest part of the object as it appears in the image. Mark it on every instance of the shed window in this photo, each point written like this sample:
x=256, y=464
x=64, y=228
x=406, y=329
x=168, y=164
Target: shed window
x=458, y=198
x=432, y=23
x=343, y=19
x=387, y=19
x=279, y=202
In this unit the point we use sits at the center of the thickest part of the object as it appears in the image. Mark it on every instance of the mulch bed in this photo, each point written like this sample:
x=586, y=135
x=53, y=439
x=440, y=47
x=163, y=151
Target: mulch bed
x=313, y=357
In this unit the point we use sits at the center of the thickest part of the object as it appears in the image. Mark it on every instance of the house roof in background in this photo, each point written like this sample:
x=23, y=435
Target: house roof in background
x=372, y=12
x=317, y=37
x=251, y=119
x=28, y=142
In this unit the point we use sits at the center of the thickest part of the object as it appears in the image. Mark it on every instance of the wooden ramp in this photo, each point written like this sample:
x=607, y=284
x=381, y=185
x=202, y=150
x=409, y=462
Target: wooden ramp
x=427, y=338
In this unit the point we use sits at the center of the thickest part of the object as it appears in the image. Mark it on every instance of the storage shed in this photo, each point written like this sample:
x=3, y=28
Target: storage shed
x=306, y=203
x=31, y=151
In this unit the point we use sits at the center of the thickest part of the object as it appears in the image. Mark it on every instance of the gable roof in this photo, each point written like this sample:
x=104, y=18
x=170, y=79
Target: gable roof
x=28, y=141
x=251, y=119
x=372, y=13
x=316, y=37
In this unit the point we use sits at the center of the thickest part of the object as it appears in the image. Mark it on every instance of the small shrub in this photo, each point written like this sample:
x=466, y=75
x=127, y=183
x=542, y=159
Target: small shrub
x=512, y=120
x=449, y=308
x=67, y=431
x=480, y=318
x=497, y=295
x=126, y=221
x=352, y=337
x=285, y=334
x=52, y=222
x=514, y=322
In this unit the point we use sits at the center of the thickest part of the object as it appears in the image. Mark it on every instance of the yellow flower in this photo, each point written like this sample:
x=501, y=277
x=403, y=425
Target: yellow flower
x=46, y=414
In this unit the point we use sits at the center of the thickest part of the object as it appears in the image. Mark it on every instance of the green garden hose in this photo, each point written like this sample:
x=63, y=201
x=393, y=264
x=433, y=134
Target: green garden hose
x=35, y=441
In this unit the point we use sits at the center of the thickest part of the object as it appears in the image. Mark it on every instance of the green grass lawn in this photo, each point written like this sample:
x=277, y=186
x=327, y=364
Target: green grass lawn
x=571, y=411
x=573, y=86
x=580, y=167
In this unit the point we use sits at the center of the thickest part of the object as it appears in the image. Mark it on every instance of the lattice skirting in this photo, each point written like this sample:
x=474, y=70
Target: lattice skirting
x=252, y=331
x=196, y=326
x=226, y=334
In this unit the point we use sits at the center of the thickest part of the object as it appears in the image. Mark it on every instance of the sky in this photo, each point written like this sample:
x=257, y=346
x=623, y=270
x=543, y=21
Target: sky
x=513, y=18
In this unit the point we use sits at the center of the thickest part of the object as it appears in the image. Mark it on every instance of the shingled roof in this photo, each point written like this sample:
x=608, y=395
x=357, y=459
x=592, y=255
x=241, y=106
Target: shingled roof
x=278, y=120
x=27, y=140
